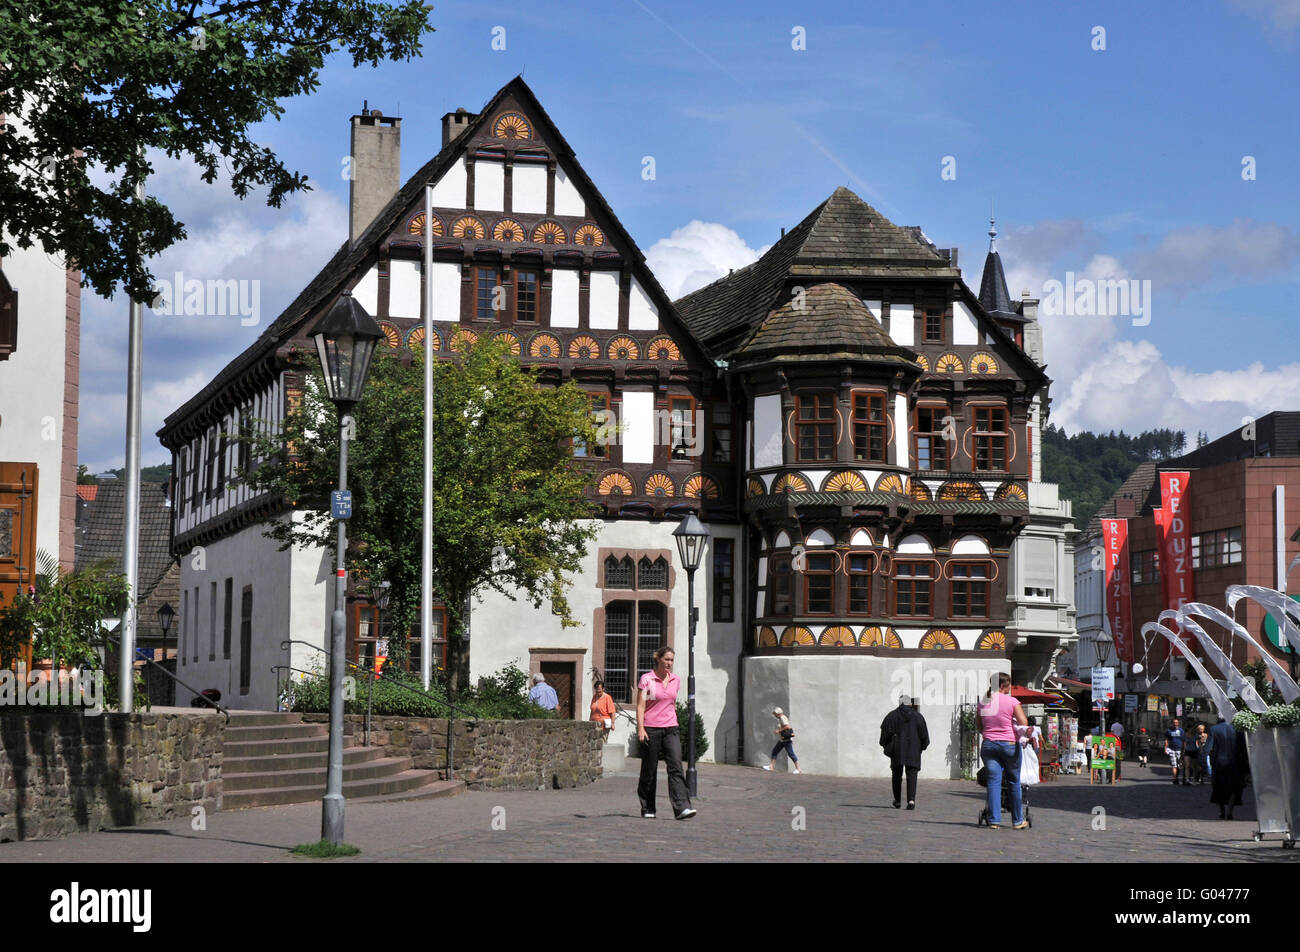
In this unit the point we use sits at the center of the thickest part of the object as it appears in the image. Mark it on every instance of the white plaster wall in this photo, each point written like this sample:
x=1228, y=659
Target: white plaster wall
x=446, y=291
x=836, y=704
x=404, y=289
x=489, y=185
x=528, y=183
x=366, y=291
x=32, y=379
x=767, y=431
x=638, y=420
x=875, y=306
x=901, y=326
x=603, y=309
x=568, y=200
x=964, y=328
x=450, y=190
x=564, y=298
x=249, y=559
x=642, y=314
x=901, y=430
x=502, y=631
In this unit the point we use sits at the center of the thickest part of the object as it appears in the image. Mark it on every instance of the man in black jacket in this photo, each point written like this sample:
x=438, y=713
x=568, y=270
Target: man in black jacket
x=903, y=736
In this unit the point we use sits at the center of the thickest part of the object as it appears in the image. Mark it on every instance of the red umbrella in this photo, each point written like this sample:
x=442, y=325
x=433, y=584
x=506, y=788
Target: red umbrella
x=1030, y=696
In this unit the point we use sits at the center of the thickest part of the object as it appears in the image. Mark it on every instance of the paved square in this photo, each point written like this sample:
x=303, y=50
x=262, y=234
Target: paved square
x=746, y=815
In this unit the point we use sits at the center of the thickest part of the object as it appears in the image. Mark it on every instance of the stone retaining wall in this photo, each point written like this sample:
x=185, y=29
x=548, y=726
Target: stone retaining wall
x=65, y=772
x=497, y=755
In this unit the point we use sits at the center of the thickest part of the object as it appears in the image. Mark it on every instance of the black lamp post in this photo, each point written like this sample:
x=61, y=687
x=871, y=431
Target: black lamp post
x=691, y=536
x=166, y=615
x=345, y=340
x=1102, y=643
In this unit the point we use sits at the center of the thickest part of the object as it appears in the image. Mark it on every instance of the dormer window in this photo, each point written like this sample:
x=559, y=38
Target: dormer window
x=933, y=326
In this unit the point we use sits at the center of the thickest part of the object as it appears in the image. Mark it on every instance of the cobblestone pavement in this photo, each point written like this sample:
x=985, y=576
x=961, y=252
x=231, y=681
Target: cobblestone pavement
x=745, y=815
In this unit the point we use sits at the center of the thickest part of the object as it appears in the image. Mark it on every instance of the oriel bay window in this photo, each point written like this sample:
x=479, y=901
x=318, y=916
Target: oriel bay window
x=869, y=427
x=914, y=588
x=931, y=443
x=860, y=567
x=779, y=580
x=819, y=584
x=990, y=439
x=970, y=589
x=815, y=426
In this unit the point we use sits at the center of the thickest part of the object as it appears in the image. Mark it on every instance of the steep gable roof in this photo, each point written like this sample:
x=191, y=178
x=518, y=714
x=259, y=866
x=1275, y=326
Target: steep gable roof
x=351, y=257
x=841, y=237
x=105, y=528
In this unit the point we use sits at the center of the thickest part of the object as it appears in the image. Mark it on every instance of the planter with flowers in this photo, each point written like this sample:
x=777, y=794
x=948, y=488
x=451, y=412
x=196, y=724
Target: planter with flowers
x=1273, y=743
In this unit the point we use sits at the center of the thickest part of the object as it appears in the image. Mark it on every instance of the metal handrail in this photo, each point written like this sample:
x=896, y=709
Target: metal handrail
x=199, y=694
x=380, y=676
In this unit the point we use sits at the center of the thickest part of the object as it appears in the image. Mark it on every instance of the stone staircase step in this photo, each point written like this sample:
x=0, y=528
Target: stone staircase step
x=406, y=781
x=432, y=790
x=275, y=746
x=275, y=779
x=351, y=755
x=238, y=734
x=262, y=718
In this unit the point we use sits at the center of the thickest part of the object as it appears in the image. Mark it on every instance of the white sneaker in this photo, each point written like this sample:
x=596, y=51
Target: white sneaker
x=766, y=767
x=797, y=770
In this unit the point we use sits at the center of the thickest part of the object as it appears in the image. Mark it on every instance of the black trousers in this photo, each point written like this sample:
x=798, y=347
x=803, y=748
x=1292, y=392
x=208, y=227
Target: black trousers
x=898, y=781
x=665, y=741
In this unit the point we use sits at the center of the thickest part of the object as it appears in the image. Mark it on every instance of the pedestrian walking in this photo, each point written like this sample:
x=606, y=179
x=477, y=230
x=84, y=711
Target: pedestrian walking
x=1031, y=742
x=1229, y=764
x=1175, y=740
x=784, y=738
x=656, y=729
x=1143, y=746
x=903, y=736
x=999, y=712
x=603, y=709
x=1194, y=758
x=1117, y=728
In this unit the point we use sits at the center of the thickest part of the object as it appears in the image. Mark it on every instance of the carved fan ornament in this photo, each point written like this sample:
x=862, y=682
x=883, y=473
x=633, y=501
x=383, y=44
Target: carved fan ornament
x=658, y=484
x=890, y=483
x=463, y=340
x=699, y=485
x=515, y=346
x=416, y=227
x=511, y=125
x=615, y=484
x=949, y=364
x=623, y=348
x=767, y=637
x=589, y=235
x=875, y=636
x=507, y=229
x=663, y=348
x=992, y=641
x=584, y=348
x=392, y=336
x=939, y=639
x=415, y=339
x=961, y=489
x=468, y=227
x=797, y=635
x=924, y=362
x=549, y=233
x=845, y=481
x=837, y=636
x=982, y=363
x=917, y=489
x=755, y=487
x=544, y=345
x=790, y=483
x=1012, y=491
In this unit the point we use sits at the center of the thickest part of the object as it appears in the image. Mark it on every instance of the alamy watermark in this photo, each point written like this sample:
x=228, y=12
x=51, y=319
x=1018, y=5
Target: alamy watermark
x=215, y=297
x=82, y=687
x=947, y=685
x=1098, y=297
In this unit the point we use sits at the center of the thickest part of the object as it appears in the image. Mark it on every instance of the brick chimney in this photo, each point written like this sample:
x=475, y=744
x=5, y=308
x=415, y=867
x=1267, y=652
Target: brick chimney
x=454, y=123
x=376, y=167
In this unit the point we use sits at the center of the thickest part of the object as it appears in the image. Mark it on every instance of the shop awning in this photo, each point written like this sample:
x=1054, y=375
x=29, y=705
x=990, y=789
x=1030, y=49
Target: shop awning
x=1030, y=696
x=1070, y=684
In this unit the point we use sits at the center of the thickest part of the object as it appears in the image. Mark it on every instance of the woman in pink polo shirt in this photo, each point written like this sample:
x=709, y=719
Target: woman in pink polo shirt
x=999, y=712
x=656, y=728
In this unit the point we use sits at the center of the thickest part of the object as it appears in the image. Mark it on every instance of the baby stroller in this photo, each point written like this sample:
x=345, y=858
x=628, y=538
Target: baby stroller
x=983, y=778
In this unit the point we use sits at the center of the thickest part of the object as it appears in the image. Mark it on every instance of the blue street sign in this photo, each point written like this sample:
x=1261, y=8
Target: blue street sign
x=341, y=504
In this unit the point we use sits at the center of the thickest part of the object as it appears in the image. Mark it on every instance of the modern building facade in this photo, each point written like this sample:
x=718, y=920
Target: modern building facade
x=857, y=429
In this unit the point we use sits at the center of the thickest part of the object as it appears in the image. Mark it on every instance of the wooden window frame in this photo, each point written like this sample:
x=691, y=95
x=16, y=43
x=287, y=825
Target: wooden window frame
x=683, y=430
x=930, y=580
x=830, y=575
x=477, y=271
x=851, y=574
x=771, y=609
x=515, y=283
x=970, y=582
x=992, y=436
x=935, y=436
x=815, y=398
x=882, y=425
x=729, y=428
x=597, y=452
x=724, y=583
x=938, y=315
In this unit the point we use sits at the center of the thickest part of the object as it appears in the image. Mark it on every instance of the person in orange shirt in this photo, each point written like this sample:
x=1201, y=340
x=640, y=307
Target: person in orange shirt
x=603, y=709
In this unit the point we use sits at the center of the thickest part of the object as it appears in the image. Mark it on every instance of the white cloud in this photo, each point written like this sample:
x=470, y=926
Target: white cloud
x=1284, y=14
x=1187, y=258
x=696, y=254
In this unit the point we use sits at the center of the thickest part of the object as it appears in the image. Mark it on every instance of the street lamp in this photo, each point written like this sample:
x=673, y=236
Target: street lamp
x=1102, y=643
x=345, y=341
x=691, y=536
x=166, y=615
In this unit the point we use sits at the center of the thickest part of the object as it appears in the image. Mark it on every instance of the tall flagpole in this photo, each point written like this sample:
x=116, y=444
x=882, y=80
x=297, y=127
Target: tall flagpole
x=426, y=561
x=131, y=544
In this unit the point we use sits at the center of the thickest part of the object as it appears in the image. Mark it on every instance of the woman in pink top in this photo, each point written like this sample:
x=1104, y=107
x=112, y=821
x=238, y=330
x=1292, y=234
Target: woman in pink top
x=998, y=715
x=656, y=729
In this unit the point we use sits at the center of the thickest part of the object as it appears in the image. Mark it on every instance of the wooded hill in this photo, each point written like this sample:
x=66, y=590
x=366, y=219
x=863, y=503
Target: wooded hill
x=1089, y=467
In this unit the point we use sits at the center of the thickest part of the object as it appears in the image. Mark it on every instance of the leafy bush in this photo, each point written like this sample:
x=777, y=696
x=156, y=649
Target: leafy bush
x=1280, y=715
x=701, y=740
x=1245, y=721
x=499, y=696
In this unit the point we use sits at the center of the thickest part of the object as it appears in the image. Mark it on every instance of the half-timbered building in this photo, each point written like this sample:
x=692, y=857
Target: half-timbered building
x=856, y=428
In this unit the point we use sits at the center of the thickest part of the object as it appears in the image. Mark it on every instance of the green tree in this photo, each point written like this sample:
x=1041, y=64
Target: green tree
x=510, y=507
x=98, y=82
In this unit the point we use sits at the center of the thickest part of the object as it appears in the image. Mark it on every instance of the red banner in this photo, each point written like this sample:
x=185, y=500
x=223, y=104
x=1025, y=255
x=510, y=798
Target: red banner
x=1176, y=541
x=1119, y=586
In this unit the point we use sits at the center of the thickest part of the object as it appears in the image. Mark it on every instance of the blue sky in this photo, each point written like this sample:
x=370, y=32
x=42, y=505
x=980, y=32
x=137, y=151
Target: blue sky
x=1124, y=162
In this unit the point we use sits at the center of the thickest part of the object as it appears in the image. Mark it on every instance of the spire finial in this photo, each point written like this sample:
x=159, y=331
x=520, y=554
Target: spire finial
x=993, y=230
